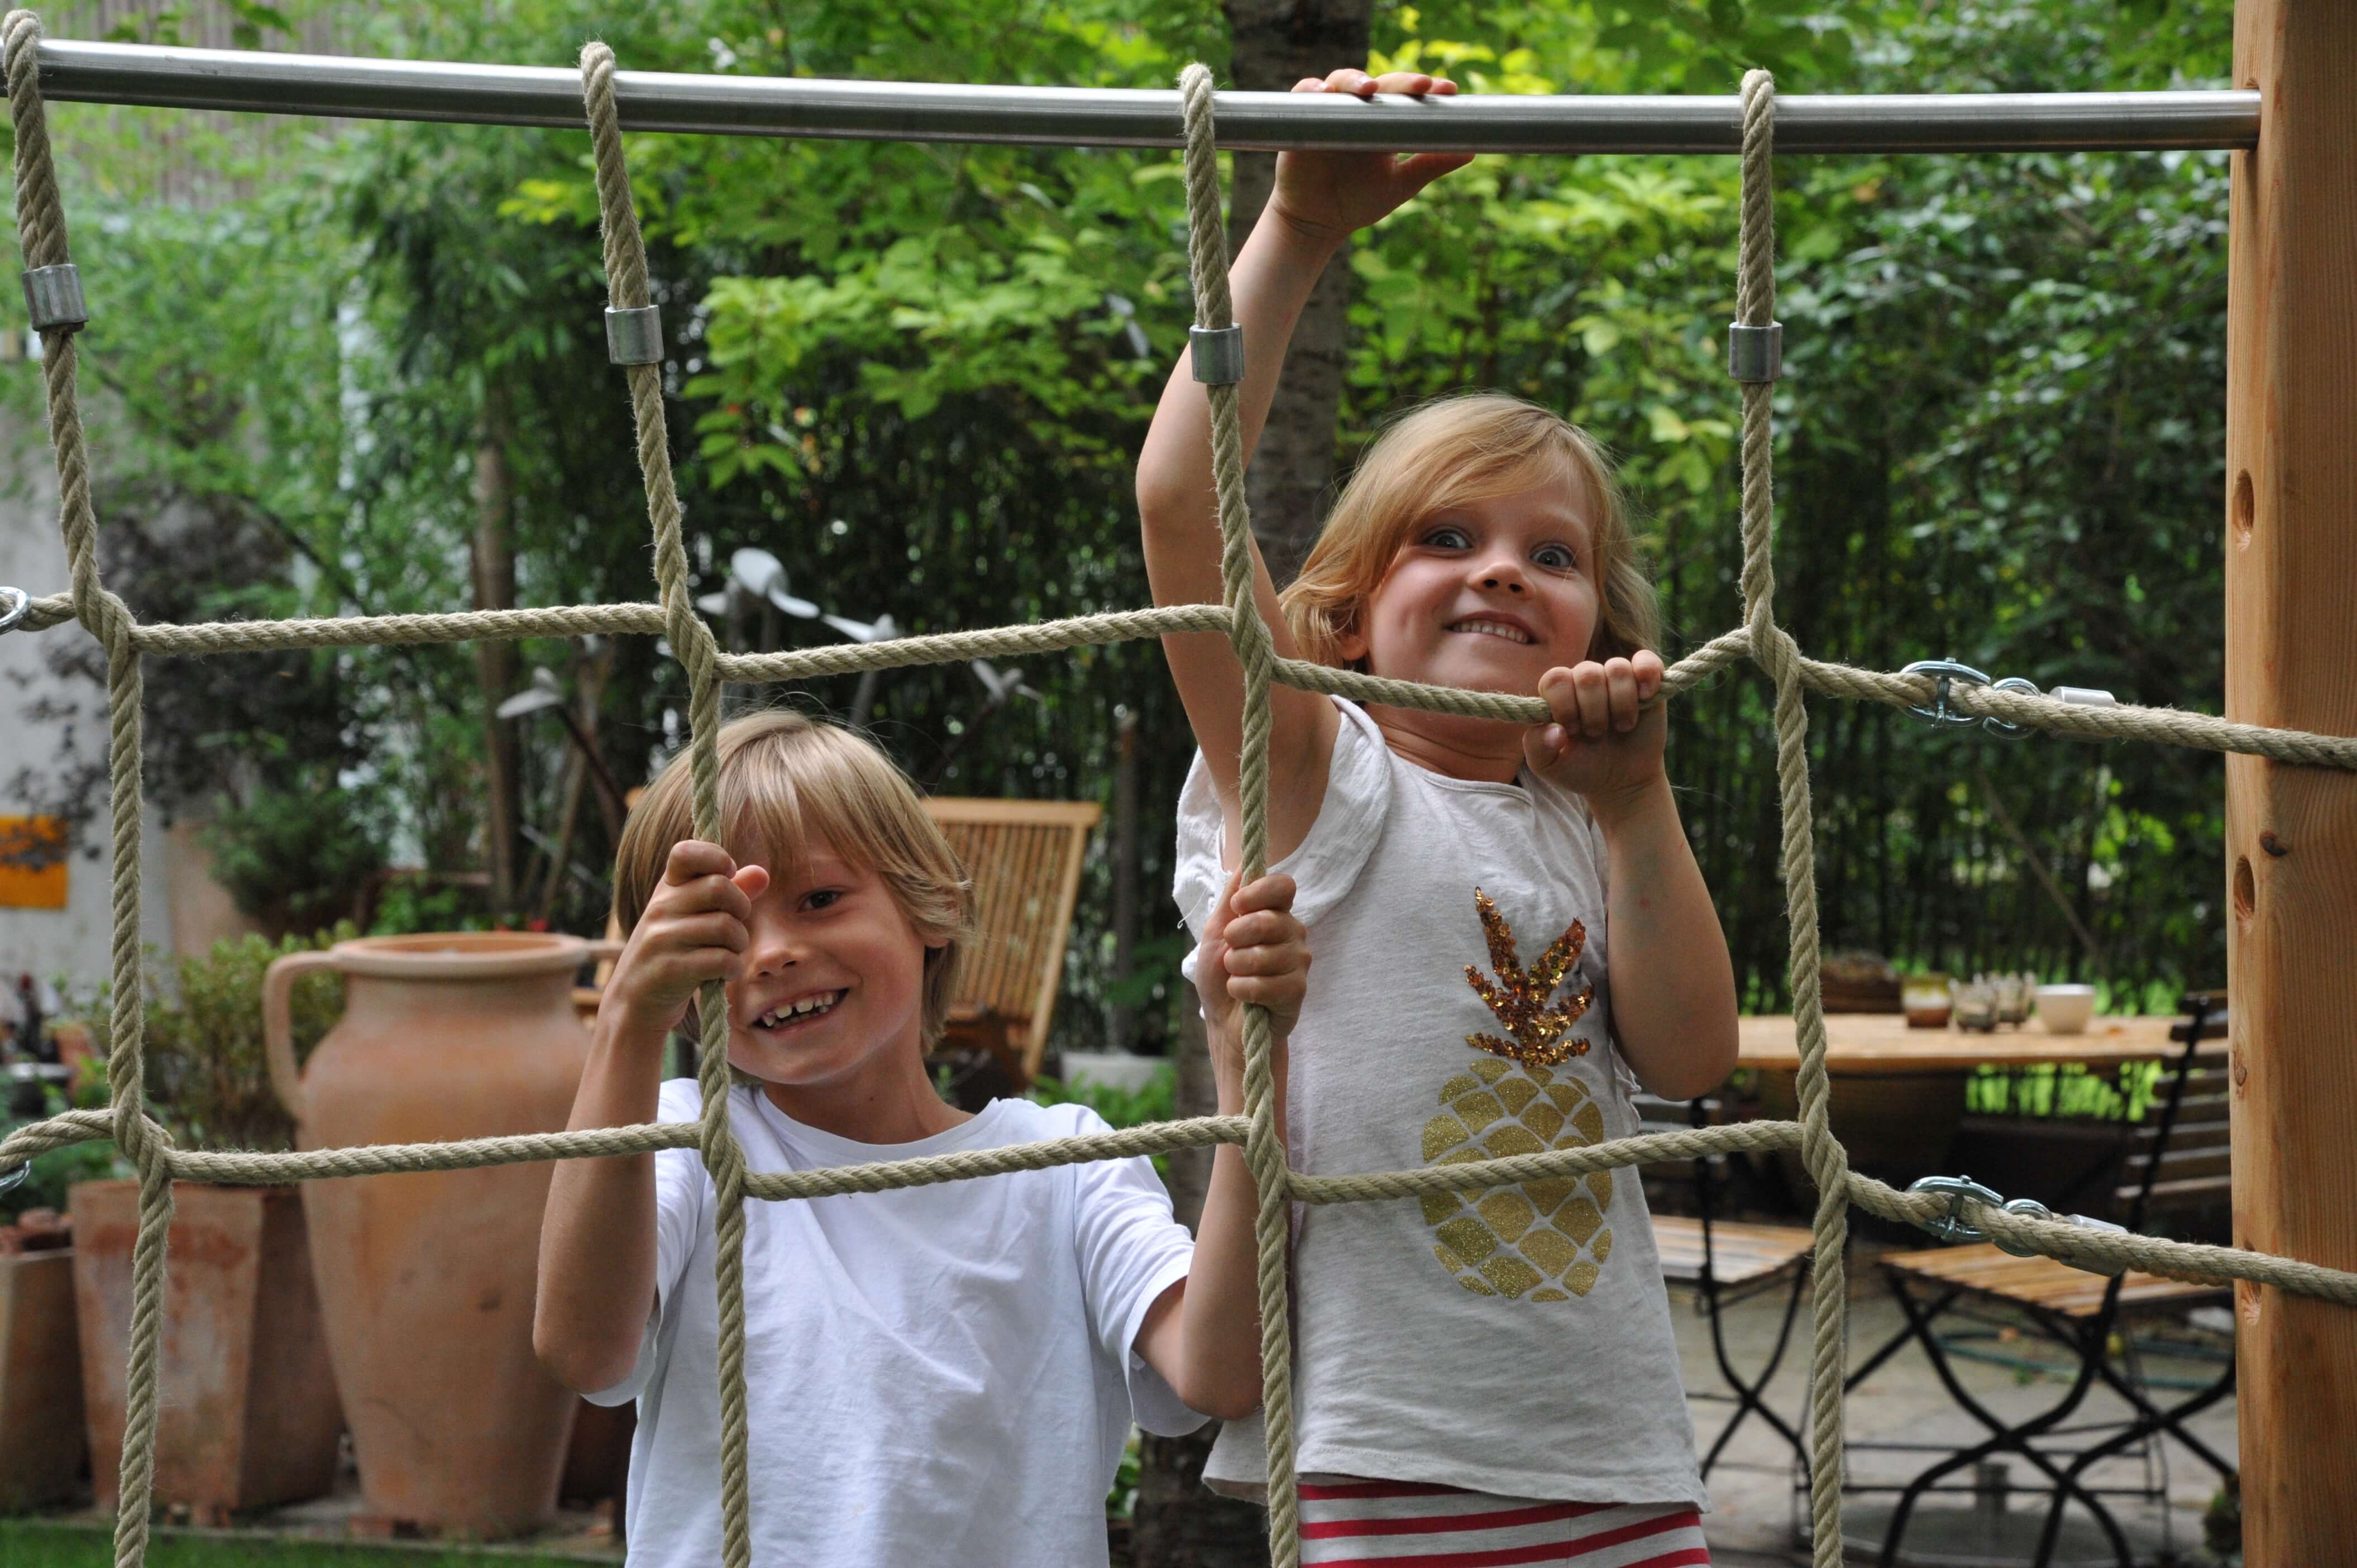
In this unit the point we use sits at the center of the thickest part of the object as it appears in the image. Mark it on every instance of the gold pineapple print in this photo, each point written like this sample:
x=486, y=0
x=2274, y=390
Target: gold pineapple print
x=1545, y=1240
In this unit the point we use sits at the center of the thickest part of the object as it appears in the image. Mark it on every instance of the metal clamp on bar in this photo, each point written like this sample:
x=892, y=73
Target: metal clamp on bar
x=1217, y=353
x=21, y=606
x=1945, y=672
x=634, y=336
x=53, y=299
x=1755, y=353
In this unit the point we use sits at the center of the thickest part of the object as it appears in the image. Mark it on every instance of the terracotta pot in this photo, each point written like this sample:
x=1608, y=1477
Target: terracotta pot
x=247, y=1413
x=427, y=1279
x=41, y=1434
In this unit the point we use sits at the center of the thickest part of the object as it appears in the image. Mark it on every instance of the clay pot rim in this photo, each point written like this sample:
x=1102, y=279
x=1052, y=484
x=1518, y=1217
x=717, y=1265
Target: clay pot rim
x=461, y=955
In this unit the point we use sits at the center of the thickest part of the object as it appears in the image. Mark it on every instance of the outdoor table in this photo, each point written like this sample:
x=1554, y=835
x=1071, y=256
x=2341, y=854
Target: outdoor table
x=1862, y=1044
x=1898, y=1092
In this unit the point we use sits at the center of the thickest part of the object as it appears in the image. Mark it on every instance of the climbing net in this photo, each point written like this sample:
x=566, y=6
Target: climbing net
x=635, y=341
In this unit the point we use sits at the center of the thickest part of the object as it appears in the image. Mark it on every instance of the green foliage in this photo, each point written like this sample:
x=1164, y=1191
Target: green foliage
x=41, y=1544
x=1157, y=1100
x=297, y=860
x=1151, y=1102
x=1121, y=1499
x=919, y=374
x=208, y=1076
x=208, y=1071
x=60, y=1171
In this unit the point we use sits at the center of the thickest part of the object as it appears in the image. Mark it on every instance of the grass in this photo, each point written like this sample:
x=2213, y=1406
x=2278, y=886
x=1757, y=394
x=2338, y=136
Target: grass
x=28, y=1544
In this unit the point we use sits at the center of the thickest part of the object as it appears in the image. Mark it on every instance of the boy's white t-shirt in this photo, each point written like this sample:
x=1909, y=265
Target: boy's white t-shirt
x=938, y=1375
x=1426, y=1351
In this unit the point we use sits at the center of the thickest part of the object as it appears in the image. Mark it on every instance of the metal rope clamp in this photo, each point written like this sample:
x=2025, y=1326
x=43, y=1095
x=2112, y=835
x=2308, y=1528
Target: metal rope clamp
x=1217, y=354
x=9, y=617
x=1945, y=672
x=1954, y=1227
x=53, y=299
x=1755, y=353
x=16, y=1178
x=635, y=336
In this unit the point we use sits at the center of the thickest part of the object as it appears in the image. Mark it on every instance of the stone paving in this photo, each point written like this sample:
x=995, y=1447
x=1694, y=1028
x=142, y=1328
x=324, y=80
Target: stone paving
x=1752, y=1524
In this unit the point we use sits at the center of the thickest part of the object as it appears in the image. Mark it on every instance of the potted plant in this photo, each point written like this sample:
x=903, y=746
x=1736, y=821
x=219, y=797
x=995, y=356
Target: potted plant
x=249, y=1415
x=41, y=1440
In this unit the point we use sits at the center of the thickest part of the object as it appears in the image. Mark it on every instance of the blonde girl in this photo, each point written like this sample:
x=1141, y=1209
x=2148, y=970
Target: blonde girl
x=1511, y=933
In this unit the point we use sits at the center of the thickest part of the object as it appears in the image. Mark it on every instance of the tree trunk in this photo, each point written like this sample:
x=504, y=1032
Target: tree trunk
x=1278, y=42
x=495, y=659
x=1179, y=1522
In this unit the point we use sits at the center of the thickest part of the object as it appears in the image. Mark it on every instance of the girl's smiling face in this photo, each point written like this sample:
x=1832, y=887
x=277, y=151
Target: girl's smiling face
x=832, y=989
x=1488, y=593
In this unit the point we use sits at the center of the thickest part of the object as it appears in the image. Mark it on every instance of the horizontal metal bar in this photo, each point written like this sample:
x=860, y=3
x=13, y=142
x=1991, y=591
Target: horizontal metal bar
x=1079, y=116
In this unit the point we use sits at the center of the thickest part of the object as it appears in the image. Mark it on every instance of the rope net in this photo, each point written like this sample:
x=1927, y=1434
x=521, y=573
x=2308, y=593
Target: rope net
x=146, y=1145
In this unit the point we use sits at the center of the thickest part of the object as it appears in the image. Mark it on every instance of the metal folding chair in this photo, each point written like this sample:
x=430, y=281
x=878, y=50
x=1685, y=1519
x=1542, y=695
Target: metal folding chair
x=2175, y=1159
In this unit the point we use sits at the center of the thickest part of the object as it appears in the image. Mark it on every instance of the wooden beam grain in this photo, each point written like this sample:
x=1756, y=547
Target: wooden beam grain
x=2291, y=833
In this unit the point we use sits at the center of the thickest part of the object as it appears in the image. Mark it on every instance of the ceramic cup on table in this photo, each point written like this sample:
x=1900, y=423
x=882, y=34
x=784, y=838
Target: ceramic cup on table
x=2066, y=1009
x=1927, y=1001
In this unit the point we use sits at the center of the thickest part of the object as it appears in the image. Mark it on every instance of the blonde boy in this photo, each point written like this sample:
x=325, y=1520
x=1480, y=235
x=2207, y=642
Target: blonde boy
x=936, y=1375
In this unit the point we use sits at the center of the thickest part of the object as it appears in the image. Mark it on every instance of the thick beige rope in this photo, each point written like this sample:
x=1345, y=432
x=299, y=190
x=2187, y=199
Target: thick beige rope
x=1774, y=651
x=2103, y=1250
x=41, y=228
x=2170, y=726
x=1207, y=266
x=144, y=1142
x=694, y=645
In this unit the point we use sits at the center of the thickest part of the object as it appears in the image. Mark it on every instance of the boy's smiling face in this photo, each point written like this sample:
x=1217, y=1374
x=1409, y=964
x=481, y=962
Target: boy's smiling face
x=833, y=988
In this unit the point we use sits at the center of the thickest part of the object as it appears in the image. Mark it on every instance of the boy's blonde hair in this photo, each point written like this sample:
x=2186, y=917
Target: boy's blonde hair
x=786, y=779
x=1446, y=452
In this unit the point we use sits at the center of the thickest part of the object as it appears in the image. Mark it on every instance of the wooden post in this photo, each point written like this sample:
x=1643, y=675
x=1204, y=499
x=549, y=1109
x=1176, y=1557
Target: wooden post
x=2291, y=833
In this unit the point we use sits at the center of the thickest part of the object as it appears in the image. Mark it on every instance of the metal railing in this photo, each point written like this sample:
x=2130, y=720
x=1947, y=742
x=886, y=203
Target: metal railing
x=1076, y=116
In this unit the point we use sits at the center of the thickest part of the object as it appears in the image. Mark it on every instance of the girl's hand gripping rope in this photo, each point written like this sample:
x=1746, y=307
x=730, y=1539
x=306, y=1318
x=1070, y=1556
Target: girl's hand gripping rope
x=1607, y=738
x=1254, y=950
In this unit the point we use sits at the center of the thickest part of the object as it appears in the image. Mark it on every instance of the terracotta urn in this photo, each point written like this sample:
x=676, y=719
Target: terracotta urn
x=426, y=1278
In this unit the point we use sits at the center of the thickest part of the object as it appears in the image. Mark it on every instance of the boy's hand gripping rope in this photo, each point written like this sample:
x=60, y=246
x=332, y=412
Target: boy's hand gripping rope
x=142, y=1141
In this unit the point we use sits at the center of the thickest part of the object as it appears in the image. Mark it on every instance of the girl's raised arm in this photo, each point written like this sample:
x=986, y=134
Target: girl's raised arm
x=1319, y=199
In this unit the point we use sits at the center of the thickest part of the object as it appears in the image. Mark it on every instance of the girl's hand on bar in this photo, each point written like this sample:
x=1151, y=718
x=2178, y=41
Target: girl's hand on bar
x=1331, y=196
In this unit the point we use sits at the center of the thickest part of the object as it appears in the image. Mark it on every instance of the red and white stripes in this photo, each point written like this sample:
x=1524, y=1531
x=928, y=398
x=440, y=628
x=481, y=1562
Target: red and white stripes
x=1404, y=1524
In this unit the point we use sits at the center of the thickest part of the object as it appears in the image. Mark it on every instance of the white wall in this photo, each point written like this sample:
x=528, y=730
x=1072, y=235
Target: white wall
x=74, y=940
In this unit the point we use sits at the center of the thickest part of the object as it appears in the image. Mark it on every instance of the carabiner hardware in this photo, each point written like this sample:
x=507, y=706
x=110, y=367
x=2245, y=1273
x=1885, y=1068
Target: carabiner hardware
x=1952, y=1225
x=1944, y=671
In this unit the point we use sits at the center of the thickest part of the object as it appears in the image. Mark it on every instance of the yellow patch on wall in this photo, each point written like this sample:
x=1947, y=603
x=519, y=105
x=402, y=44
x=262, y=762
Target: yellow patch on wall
x=32, y=863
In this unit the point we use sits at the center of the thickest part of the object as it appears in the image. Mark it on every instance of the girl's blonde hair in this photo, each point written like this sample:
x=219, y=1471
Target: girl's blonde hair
x=1444, y=454
x=785, y=780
